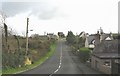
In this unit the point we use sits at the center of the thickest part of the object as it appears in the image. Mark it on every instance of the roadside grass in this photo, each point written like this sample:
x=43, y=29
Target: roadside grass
x=32, y=66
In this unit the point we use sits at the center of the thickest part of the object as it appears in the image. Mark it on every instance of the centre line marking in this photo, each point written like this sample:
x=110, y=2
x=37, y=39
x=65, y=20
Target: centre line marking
x=59, y=63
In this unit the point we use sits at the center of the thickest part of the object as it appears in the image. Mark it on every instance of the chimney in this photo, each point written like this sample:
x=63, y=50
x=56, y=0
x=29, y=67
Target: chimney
x=101, y=34
x=111, y=35
x=86, y=40
x=101, y=37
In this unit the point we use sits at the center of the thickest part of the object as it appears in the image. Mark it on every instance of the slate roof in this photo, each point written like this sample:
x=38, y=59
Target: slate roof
x=105, y=36
x=82, y=34
x=50, y=33
x=108, y=55
x=107, y=49
x=91, y=38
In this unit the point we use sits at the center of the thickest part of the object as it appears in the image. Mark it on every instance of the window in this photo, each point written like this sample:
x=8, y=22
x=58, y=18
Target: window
x=107, y=63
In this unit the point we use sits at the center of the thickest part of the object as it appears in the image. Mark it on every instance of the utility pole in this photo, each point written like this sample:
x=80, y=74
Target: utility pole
x=27, y=37
x=77, y=41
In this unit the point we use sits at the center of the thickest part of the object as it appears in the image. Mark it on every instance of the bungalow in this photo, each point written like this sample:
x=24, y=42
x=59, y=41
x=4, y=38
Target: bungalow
x=105, y=57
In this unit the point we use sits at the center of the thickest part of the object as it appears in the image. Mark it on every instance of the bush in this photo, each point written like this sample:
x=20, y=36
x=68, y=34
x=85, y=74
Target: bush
x=14, y=58
x=84, y=54
x=11, y=60
x=84, y=49
x=70, y=37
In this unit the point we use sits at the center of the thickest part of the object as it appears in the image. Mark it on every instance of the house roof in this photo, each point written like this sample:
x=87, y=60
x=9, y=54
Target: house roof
x=82, y=34
x=108, y=38
x=91, y=38
x=107, y=49
x=50, y=33
x=108, y=55
x=60, y=32
x=104, y=36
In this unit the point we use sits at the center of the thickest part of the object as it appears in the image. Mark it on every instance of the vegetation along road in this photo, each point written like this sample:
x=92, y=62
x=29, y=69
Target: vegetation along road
x=63, y=61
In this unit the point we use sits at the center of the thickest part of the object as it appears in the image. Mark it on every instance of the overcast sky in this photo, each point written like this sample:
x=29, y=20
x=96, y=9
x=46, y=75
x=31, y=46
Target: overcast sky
x=54, y=16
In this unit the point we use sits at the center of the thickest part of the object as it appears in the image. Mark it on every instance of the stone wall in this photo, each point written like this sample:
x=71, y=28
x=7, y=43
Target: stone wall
x=98, y=64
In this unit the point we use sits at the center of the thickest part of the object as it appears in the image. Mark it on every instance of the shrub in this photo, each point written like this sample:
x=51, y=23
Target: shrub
x=84, y=49
x=13, y=59
x=84, y=54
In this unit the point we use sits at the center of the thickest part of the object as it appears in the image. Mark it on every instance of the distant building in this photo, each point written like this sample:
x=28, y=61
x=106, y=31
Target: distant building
x=61, y=34
x=91, y=41
x=51, y=36
x=82, y=35
x=95, y=39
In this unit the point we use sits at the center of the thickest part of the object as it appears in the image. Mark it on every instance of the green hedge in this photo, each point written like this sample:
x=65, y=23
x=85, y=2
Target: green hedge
x=84, y=54
x=84, y=49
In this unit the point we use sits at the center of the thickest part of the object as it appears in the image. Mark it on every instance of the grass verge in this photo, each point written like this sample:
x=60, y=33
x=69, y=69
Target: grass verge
x=84, y=49
x=32, y=66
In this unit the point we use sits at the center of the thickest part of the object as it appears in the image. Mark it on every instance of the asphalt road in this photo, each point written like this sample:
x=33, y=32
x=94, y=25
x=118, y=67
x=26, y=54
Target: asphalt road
x=62, y=62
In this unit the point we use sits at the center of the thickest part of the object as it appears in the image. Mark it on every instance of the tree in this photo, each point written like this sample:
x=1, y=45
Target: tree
x=6, y=33
x=81, y=42
x=3, y=26
x=116, y=36
x=70, y=37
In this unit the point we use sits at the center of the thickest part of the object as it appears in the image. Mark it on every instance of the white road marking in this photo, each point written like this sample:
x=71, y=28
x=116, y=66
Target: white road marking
x=59, y=66
x=56, y=71
x=59, y=63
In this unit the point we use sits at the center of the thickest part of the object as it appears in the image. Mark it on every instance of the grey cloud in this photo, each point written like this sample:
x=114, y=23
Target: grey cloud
x=13, y=8
x=42, y=10
x=48, y=14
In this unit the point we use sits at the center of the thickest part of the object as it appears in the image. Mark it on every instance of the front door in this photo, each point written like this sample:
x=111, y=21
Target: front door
x=96, y=64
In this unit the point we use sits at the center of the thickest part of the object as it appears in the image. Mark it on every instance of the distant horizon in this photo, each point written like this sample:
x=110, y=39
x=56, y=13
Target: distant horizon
x=66, y=34
x=56, y=33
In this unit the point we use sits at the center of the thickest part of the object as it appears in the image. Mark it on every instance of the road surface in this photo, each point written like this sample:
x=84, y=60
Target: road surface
x=62, y=62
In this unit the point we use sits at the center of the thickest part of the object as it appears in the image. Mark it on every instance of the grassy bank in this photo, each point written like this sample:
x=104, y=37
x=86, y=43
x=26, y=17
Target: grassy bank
x=37, y=63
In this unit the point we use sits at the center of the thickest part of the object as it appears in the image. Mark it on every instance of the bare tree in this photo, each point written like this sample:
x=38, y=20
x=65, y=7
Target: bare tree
x=4, y=28
x=2, y=21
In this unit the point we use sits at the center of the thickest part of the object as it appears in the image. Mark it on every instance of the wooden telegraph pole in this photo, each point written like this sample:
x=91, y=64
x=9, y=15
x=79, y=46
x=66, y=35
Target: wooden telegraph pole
x=27, y=59
x=27, y=37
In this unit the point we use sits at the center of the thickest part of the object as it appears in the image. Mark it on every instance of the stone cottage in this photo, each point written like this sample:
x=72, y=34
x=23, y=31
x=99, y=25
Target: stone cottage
x=104, y=55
